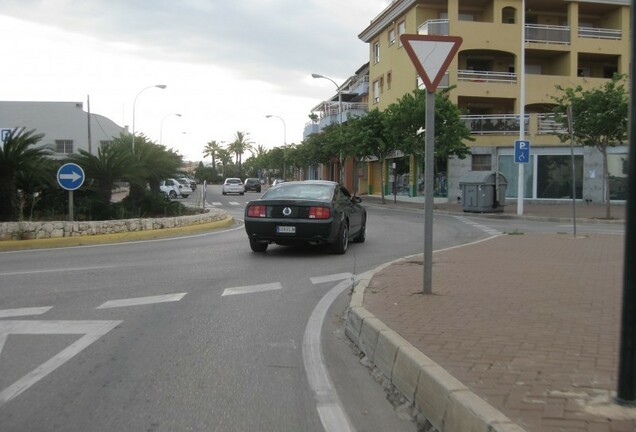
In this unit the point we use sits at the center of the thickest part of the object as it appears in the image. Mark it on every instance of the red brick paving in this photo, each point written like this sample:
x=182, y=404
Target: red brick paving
x=529, y=322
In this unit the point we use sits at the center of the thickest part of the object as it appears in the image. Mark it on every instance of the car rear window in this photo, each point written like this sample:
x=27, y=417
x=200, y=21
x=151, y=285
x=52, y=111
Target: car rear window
x=300, y=191
x=233, y=181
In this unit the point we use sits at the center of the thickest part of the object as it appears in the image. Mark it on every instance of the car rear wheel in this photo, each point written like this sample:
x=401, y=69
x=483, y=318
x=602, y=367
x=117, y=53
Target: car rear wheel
x=185, y=196
x=342, y=242
x=258, y=246
x=172, y=194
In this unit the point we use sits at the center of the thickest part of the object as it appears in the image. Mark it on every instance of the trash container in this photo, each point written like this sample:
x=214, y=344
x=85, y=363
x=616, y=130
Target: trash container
x=483, y=192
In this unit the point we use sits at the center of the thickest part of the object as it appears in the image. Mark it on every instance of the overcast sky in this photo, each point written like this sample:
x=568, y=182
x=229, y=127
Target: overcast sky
x=227, y=64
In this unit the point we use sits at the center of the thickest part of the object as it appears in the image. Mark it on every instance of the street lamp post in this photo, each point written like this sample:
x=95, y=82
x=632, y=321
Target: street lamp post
x=315, y=75
x=161, y=86
x=284, y=141
x=161, y=128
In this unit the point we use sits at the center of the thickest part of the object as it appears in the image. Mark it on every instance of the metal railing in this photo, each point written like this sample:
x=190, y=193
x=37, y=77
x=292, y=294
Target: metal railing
x=600, y=33
x=486, y=76
x=547, y=34
x=547, y=125
x=497, y=124
x=434, y=27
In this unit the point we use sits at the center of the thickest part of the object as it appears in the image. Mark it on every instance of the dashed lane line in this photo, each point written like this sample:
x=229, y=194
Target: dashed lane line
x=141, y=301
x=7, y=313
x=252, y=289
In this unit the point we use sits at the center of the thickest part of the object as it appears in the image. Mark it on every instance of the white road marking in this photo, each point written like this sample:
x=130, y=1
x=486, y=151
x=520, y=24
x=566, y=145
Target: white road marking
x=330, y=410
x=234, y=203
x=142, y=301
x=216, y=203
x=5, y=313
x=55, y=270
x=330, y=278
x=92, y=331
x=252, y=289
x=483, y=228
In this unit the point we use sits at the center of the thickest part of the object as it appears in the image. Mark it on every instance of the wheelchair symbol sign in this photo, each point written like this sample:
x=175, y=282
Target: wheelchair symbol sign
x=522, y=151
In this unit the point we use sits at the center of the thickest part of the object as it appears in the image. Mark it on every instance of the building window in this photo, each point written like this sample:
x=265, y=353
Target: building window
x=389, y=76
x=105, y=144
x=391, y=36
x=376, y=52
x=481, y=162
x=617, y=167
x=554, y=176
x=401, y=31
x=376, y=91
x=64, y=146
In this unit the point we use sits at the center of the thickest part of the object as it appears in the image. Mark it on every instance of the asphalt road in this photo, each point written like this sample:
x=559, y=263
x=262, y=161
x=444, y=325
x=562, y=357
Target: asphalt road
x=198, y=333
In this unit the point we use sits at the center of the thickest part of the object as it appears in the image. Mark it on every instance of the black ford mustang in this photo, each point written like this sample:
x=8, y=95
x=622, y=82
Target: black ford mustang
x=310, y=211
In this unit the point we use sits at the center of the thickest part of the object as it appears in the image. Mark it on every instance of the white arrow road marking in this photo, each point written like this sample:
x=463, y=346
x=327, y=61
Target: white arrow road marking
x=73, y=176
x=5, y=313
x=252, y=289
x=92, y=331
x=142, y=301
x=330, y=278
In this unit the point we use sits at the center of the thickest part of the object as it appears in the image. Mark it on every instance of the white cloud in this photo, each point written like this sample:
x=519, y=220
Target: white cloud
x=226, y=63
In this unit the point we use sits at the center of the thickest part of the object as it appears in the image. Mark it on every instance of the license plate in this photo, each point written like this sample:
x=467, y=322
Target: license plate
x=286, y=229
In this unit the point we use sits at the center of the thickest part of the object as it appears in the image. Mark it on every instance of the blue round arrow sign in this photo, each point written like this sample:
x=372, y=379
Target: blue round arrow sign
x=70, y=176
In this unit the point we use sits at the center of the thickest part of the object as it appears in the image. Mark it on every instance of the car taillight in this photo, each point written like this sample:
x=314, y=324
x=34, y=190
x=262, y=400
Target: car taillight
x=257, y=211
x=319, y=212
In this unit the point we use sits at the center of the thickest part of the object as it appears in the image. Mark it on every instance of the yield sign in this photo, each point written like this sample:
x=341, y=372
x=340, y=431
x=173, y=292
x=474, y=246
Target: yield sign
x=431, y=55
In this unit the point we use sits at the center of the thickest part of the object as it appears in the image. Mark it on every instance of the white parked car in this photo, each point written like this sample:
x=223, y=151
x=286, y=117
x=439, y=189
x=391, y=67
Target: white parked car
x=233, y=185
x=173, y=188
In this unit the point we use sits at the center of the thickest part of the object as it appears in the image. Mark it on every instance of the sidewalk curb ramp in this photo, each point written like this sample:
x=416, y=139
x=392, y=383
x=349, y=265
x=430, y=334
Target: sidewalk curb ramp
x=446, y=403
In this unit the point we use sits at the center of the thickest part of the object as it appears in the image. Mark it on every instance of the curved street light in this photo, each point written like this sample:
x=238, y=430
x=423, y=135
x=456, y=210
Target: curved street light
x=339, y=90
x=161, y=86
x=284, y=140
x=161, y=127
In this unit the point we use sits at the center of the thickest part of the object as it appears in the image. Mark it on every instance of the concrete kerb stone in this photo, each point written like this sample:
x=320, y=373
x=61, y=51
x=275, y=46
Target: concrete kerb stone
x=467, y=412
x=442, y=399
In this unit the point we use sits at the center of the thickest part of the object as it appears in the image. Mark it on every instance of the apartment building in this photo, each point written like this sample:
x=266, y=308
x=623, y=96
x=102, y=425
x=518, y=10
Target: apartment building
x=65, y=125
x=566, y=43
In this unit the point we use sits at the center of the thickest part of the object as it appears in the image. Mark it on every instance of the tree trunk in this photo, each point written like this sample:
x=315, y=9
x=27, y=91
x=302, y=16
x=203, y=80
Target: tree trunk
x=606, y=186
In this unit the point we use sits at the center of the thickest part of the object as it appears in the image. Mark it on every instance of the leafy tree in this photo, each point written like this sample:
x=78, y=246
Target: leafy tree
x=599, y=119
x=18, y=156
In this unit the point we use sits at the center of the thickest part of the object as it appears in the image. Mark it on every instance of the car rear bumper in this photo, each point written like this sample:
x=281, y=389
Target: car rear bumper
x=306, y=231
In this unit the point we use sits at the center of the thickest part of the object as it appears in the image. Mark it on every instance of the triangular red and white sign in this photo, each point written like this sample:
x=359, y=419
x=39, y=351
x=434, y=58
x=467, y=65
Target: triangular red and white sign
x=431, y=55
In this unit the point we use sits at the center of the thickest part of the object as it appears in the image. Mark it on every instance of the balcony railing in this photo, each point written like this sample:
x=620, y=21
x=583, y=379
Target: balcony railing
x=600, y=33
x=501, y=124
x=486, y=76
x=547, y=34
x=434, y=27
x=547, y=125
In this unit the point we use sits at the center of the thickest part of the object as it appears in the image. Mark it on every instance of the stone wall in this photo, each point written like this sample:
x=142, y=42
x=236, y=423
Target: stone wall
x=58, y=229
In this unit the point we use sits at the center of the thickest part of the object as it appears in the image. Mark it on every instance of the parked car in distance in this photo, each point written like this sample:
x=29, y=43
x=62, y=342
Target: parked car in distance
x=310, y=211
x=188, y=181
x=233, y=185
x=252, y=184
x=183, y=189
x=169, y=189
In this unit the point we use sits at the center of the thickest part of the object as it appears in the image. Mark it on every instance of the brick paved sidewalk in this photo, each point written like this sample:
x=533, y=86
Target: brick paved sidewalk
x=530, y=323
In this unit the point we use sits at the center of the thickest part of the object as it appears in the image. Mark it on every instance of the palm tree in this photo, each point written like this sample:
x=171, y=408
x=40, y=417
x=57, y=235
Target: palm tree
x=239, y=146
x=225, y=158
x=110, y=165
x=17, y=155
x=211, y=149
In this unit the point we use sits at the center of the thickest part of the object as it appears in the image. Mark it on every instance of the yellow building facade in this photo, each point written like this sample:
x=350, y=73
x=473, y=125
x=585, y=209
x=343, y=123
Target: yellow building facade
x=565, y=43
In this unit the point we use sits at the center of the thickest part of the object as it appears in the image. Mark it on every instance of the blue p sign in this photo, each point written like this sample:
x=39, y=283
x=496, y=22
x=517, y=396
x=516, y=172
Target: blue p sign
x=522, y=151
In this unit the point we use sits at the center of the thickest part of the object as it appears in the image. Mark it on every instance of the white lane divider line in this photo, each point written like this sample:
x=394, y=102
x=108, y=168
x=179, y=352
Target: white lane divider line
x=252, y=289
x=234, y=203
x=217, y=203
x=330, y=278
x=91, y=331
x=6, y=313
x=142, y=301
x=55, y=270
x=479, y=226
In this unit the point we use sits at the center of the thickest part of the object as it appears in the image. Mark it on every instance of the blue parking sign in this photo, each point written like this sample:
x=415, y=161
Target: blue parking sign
x=522, y=151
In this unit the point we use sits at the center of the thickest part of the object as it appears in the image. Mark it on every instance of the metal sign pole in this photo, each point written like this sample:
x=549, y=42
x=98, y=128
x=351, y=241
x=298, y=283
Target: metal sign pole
x=70, y=206
x=428, y=192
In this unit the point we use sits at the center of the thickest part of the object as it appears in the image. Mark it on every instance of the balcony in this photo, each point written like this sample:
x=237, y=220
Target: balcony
x=600, y=33
x=487, y=76
x=547, y=125
x=548, y=34
x=497, y=124
x=434, y=27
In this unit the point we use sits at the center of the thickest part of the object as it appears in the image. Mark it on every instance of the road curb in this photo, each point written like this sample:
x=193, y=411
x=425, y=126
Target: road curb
x=444, y=401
